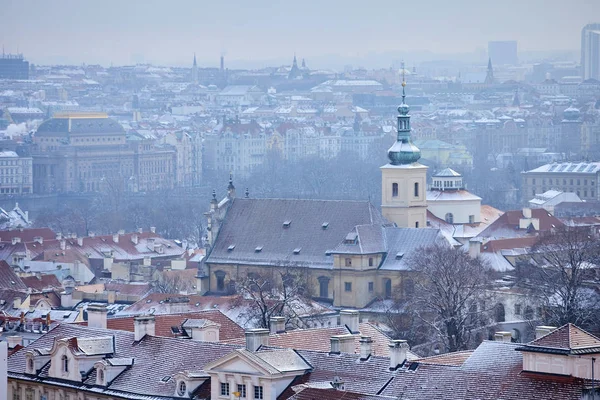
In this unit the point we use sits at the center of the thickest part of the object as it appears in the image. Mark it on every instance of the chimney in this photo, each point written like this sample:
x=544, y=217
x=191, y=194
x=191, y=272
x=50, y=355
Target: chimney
x=140, y=230
x=366, y=347
x=277, y=324
x=153, y=229
x=142, y=326
x=14, y=341
x=527, y=212
x=73, y=236
x=256, y=337
x=398, y=349
x=543, y=330
x=97, y=315
x=474, y=248
x=349, y=319
x=121, y=231
x=503, y=336
x=116, y=238
x=63, y=244
x=79, y=241
x=58, y=236
x=134, y=239
x=342, y=344
x=16, y=240
x=91, y=234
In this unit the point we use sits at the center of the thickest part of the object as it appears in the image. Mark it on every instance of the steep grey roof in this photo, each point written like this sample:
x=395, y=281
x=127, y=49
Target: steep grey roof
x=79, y=125
x=402, y=242
x=299, y=232
x=154, y=358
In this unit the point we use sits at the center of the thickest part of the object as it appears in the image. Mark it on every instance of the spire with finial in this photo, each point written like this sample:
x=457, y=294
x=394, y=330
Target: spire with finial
x=230, y=187
x=295, y=63
x=247, y=193
x=403, y=152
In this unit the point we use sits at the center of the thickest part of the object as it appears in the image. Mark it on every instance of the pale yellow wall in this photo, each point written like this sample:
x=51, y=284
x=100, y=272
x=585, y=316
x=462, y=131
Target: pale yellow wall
x=405, y=210
x=359, y=274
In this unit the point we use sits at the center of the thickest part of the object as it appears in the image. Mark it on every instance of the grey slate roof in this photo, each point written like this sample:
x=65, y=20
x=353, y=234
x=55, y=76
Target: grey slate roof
x=250, y=224
x=79, y=125
x=397, y=243
x=153, y=359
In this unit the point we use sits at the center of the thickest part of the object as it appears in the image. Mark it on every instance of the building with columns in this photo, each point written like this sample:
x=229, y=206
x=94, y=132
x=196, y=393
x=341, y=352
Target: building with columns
x=403, y=180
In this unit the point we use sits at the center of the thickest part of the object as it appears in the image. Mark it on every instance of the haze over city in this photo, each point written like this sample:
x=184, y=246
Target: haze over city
x=328, y=33
x=341, y=200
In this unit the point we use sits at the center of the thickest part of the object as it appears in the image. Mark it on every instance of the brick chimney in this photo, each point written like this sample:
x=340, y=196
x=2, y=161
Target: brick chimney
x=350, y=319
x=63, y=244
x=366, y=347
x=115, y=238
x=153, y=229
x=80, y=241
x=342, y=344
x=398, y=349
x=256, y=337
x=97, y=315
x=142, y=326
x=277, y=324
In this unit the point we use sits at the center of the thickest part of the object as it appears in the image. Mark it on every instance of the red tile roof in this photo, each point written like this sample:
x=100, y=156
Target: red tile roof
x=27, y=235
x=318, y=339
x=41, y=282
x=9, y=279
x=493, y=246
x=567, y=337
x=228, y=330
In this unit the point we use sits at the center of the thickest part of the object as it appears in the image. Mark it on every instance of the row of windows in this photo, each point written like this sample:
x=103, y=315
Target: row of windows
x=241, y=391
x=415, y=189
x=564, y=181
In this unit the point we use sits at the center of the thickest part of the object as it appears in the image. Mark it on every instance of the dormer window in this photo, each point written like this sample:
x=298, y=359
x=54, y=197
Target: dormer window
x=65, y=364
x=30, y=366
x=101, y=376
x=181, y=388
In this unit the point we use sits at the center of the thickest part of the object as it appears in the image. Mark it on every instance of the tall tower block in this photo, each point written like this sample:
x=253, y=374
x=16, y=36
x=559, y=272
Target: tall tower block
x=403, y=180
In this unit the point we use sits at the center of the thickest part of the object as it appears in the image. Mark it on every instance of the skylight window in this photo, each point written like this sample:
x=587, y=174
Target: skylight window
x=297, y=250
x=258, y=249
x=287, y=223
x=231, y=247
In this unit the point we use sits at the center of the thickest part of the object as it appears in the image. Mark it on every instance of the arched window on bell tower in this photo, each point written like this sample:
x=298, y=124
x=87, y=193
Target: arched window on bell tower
x=394, y=189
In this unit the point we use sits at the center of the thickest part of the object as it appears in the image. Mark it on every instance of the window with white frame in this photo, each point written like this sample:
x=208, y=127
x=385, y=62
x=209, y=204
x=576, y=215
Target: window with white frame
x=224, y=389
x=242, y=391
x=181, y=388
x=258, y=392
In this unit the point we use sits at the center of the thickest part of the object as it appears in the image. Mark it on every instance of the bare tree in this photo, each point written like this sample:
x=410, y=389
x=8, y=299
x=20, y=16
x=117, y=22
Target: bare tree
x=171, y=282
x=451, y=290
x=282, y=293
x=562, y=271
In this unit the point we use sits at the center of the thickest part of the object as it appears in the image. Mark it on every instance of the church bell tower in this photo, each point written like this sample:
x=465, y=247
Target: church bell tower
x=403, y=180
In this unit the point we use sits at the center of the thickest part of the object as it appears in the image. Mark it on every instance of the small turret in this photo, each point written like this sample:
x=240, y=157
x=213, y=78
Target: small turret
x=231, y=188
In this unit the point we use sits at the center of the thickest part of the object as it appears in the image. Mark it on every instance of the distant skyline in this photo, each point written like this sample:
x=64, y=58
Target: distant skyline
x=260, y=32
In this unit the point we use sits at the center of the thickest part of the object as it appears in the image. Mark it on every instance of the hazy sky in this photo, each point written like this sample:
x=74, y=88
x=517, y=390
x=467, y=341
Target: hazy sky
x=168, y=32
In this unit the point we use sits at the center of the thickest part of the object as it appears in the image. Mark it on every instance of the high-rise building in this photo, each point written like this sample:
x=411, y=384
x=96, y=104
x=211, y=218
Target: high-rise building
x=503, y=52
x=590, y=51
x=403, y=180
x=13, y=66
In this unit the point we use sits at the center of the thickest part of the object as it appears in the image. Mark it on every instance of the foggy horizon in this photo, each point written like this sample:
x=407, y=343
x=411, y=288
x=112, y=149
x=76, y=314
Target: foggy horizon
x=327, y=35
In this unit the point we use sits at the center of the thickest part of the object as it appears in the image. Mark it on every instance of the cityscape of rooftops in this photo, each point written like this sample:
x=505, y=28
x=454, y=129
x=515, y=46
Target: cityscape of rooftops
x=330, y=200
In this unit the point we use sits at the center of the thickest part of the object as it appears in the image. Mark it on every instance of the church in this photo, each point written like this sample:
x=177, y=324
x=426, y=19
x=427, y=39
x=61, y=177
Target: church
x=350, y=252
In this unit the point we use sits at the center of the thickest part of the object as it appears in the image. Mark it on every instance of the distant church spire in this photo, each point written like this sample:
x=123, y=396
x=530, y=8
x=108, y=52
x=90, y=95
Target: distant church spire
x=489, y=77
x=516, y=102
x=195, y=70
x=403, y=151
